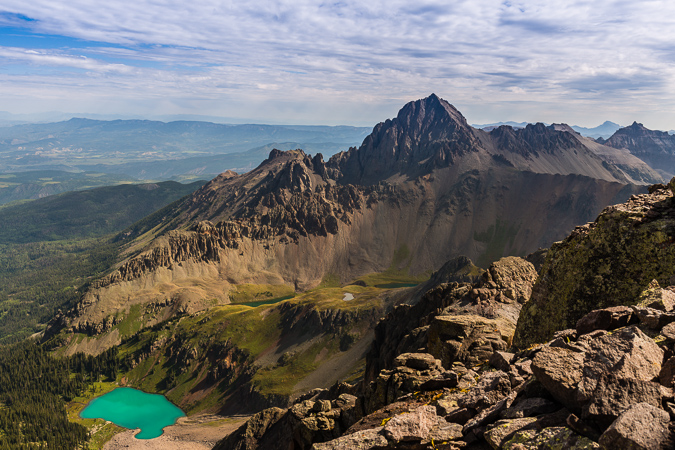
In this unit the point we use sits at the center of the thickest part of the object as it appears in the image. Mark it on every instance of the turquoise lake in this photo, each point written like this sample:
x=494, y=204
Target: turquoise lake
x=131, y=408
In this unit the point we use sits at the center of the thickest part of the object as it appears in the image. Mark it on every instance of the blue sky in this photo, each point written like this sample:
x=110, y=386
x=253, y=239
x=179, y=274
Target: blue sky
x=346, y=62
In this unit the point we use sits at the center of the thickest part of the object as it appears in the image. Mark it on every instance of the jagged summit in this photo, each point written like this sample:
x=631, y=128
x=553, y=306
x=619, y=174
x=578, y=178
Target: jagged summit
x=534, y=139
x=431, y=115
x=637, y=126
x=230, y=196
x=563, y=127
x=656, y=148
x=426, y=134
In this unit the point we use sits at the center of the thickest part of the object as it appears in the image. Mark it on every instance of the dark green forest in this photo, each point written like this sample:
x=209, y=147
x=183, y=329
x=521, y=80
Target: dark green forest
x=34, y=387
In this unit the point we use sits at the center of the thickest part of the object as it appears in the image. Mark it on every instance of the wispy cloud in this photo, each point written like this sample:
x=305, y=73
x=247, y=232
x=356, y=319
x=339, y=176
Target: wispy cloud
x=530, y=59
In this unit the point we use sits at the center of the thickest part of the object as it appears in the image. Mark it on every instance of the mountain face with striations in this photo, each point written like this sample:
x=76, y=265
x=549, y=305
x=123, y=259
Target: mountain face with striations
x=656, y=148
x=423, y=187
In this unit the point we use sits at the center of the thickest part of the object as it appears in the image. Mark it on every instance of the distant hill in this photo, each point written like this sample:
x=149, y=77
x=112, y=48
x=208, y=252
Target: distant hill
x=50, y=247
x=42, y=183
x=85, y=214
x=601, y=131
x=82, y=144
x=492, y=126
x=206, y=167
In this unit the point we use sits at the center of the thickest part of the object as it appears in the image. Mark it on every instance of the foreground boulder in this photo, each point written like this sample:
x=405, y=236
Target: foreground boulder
x=469, y=339
x=641, y=427
x=601, y=375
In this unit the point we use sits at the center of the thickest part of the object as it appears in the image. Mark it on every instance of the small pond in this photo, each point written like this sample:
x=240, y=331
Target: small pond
x=266, y=302
x=131, y=408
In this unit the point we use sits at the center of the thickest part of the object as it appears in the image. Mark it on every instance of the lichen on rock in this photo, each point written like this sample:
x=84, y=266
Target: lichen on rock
x=610, y=262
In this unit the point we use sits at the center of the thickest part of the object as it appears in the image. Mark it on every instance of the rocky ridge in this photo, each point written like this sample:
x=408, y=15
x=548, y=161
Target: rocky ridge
x=292, y=194
x=607, y=383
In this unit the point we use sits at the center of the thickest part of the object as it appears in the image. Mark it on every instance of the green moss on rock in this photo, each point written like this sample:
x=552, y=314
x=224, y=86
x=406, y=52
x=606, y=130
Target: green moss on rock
x=606, y=263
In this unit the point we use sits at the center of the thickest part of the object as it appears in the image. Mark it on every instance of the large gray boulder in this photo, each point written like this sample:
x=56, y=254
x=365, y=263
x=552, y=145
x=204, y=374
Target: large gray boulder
x=641, y=427
x=560, y=370
x=602, y=374
x=614, y=395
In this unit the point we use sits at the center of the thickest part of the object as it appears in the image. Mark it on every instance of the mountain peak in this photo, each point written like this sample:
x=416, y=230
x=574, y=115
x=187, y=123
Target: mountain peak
x=637, y=127
x=431, y=111
x=426, y=133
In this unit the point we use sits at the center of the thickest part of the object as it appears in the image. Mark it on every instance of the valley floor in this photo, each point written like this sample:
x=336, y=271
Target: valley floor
x=198, y=432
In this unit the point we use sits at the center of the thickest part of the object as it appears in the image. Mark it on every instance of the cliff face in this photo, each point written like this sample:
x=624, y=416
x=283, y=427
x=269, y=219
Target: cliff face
x=609, y=262
x=656, y=148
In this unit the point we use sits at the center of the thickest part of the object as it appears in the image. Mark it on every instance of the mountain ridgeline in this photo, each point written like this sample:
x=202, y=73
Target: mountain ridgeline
x=656, y=148
x=423, y=188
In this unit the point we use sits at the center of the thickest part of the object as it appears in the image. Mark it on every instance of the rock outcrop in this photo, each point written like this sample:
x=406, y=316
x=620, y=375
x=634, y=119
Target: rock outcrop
x=593, y=389
x=625, y=257
x=457, y=320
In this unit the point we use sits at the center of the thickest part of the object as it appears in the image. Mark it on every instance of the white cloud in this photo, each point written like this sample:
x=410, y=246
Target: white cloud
x=43, y=58
x=538, y=57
